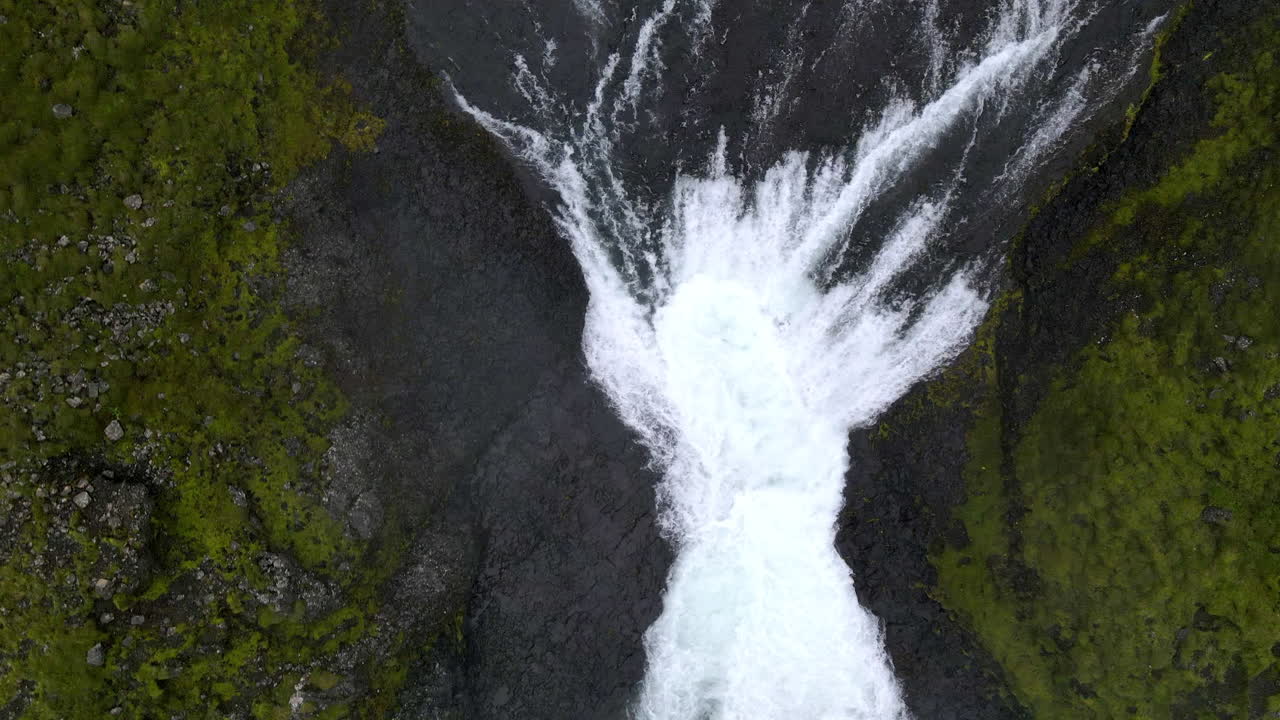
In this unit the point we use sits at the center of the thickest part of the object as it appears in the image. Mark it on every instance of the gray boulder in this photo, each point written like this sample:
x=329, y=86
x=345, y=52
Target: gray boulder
x=96, y=656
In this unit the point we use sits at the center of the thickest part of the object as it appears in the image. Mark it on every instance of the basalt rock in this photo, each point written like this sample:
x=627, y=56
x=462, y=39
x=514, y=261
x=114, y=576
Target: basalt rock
x=450, y=313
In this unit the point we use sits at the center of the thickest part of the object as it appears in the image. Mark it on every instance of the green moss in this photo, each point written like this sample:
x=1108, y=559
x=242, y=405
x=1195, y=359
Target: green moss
x=1245, y=97
x=1125, y=541
x=1155, y=71
x=323, y=680
x=168, y=314
x=387, y=681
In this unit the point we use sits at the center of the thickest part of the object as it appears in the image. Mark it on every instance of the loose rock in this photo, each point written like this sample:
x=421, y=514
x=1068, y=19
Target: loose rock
x=62, y=111
x=96, y=657
x=114, y=431
x=1216, y=515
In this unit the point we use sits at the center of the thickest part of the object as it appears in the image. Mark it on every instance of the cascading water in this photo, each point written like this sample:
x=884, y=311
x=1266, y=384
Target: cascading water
x=747, y=311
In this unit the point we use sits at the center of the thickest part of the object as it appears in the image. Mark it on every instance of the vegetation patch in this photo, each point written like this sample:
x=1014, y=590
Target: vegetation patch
x=1123, y=554
x=164, y=547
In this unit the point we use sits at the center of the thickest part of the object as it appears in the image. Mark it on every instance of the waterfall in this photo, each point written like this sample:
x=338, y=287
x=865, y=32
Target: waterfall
x=746, y=310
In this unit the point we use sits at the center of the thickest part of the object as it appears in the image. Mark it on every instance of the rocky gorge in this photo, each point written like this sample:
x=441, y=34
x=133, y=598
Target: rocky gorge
x=296, y=422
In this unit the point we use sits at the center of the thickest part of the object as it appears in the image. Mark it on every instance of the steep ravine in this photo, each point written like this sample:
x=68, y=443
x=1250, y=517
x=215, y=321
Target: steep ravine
x=450, y=311
x=345, y=459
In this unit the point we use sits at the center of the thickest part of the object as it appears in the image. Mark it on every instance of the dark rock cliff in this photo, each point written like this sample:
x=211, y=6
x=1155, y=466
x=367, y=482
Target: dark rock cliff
x=452, y=313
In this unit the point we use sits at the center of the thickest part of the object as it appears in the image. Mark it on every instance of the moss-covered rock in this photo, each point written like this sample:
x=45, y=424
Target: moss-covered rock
x=1121, y=553
x=166, y=549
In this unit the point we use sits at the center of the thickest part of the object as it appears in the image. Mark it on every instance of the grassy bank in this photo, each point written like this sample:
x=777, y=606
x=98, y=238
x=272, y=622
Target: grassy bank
x=165, y=547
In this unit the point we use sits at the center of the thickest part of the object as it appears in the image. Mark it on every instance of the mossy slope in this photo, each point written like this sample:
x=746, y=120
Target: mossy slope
x=1122, y=556
x=142, y=345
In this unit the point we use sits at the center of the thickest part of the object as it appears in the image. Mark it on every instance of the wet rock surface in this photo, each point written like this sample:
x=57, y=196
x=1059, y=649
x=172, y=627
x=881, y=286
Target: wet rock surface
x=573, y=570
x=895, y=510
x=451, y=313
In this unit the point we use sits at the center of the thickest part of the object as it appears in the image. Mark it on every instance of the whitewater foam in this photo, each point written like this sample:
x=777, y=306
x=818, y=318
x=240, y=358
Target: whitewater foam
x=730, y=335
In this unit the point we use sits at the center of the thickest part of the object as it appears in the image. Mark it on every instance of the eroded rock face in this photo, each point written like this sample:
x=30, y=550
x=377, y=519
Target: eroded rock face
x=573, y=567
x=898, y=489
x=451, y=313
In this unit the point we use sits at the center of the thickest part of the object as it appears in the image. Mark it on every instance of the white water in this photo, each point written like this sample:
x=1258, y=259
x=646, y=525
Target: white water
x=724, y=339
